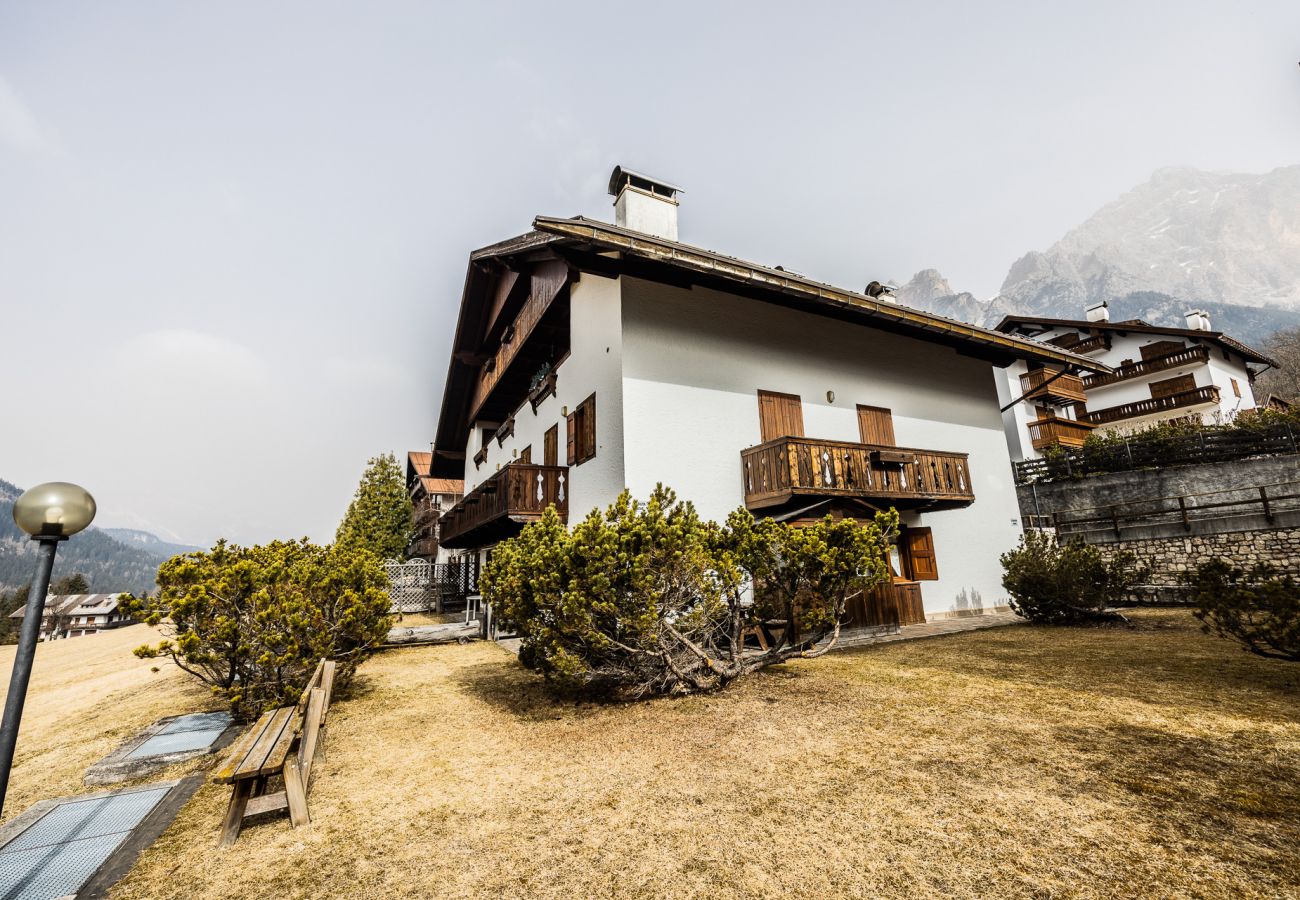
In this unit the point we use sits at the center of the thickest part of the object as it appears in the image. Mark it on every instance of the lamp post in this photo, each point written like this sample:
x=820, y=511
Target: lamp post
x=50, y=513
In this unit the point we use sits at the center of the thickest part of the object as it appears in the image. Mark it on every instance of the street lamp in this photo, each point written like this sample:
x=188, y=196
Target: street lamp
x=50, y=513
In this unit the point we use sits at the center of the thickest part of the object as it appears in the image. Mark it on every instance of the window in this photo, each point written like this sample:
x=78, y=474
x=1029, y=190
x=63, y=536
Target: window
x=779, y=415
x=581, y=427
x=551, y=446
x=876, y=425
x=526, y=455
x=918, y=545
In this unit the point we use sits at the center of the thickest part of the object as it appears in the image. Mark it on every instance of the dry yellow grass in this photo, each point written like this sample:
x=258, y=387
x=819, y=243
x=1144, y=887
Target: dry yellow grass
x=1013, y=762
x=87, y=695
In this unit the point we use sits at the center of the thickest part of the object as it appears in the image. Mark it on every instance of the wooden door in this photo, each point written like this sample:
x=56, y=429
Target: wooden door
x=1171, y=386
x=779, y=415
x=551, y=446
x=876, y=425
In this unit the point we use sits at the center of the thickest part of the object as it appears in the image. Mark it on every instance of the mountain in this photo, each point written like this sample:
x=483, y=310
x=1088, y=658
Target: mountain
x=149, y=542
x=109, y=564
x=1225, y=242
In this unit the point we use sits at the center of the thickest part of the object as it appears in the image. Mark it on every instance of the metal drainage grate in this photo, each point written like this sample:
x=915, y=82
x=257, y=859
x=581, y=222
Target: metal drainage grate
x=55, y=855
x=193, y=732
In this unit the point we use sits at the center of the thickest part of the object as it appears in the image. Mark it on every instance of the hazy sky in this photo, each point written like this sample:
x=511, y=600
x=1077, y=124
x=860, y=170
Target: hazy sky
x=233, y=235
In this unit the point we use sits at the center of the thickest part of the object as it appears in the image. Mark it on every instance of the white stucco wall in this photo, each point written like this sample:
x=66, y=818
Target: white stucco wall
x=694, y=361
x=594, y=364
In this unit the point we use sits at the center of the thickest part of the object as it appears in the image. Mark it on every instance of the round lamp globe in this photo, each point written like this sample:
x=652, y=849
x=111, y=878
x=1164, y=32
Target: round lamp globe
x=54, y=509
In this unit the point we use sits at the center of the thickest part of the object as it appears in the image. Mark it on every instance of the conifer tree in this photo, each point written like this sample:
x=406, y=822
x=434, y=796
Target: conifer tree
x=380, y=518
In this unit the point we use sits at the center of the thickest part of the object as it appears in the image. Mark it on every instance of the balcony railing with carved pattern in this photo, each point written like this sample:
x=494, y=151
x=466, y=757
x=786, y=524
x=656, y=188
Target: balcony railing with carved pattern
x=1056, y=432
x=1191, y=356
x=494, y=510
x=779, y=470
x=1053, y=387
x=1201, y=396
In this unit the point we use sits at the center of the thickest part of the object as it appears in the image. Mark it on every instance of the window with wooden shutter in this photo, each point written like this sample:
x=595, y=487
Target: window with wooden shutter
x=570, y=436
x=581, y=425
x=526, y=455
x=551, y=446
x=1236, y=388
x=921, y=562
x=779, y=415
x=1161, y=348
x=1171, y=386
x=876, y=425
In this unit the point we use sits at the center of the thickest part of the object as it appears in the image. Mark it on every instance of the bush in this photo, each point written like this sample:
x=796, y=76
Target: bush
x=1066, y=585
x=648, y=598
x=1258, y=607
x=253, y=622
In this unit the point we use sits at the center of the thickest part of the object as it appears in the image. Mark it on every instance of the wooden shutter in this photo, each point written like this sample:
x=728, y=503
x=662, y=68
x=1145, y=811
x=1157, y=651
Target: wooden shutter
x=571, y=433
x=585, y=425
x=1161, y=348
x=526, y=455
x=1236, y=388
x=779, y=415
x=551, y=446
x=876, y=425
x=921, y=562
x=1171, y=386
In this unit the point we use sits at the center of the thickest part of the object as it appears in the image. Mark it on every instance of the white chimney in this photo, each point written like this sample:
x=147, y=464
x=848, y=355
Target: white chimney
x=644, y=204
x=1197, y=320
x=1098, y=313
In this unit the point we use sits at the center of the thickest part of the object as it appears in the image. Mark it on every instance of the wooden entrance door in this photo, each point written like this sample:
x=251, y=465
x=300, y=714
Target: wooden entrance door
x=876, y=425
x=779, y=415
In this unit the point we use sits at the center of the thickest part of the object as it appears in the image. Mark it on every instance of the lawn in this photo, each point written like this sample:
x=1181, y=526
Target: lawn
x=1018, y=761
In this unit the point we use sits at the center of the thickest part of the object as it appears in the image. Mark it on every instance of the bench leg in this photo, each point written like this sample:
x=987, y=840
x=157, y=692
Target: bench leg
x=235, y=812
x=295, y=792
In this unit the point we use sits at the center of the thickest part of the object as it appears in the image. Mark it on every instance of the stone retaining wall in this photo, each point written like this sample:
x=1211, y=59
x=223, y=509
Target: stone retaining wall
x=1170, y=559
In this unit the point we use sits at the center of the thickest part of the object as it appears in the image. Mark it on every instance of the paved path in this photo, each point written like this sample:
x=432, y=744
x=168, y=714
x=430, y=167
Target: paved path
x=863, y=637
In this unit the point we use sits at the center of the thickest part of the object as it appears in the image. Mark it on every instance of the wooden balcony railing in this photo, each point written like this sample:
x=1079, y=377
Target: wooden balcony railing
x=1047, y=384
x=1181, y=400
x=1091, y=345
x=519, y=493
x=780, y=469
x=1056, y=432
x=1189, y=356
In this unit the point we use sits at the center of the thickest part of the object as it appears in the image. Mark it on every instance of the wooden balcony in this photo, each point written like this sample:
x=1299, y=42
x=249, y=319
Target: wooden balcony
x=510, y=498
x=1191, y=356
x=1091, y=344
x=1201, y=396
x=1056, y=432
x=788, y=467
x=1050, y=386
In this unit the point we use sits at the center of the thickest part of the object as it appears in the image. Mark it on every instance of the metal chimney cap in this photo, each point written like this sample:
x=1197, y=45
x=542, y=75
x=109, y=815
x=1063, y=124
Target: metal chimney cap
x=622, y=176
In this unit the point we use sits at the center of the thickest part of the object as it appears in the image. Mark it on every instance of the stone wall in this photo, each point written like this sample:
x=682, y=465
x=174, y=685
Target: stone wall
x=1170, y=559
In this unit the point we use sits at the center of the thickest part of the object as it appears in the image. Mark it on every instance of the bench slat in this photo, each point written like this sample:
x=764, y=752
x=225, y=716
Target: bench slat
x=241, y=747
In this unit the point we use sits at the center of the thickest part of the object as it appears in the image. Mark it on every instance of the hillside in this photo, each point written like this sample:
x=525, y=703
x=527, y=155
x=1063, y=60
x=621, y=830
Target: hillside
x=108, y=564
x=149, y=542
x=1225, y=242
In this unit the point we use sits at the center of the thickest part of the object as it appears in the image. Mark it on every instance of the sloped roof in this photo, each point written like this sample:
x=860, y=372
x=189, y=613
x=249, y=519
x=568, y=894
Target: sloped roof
x=76, y=605
x=1233, y=345
x=442, y=485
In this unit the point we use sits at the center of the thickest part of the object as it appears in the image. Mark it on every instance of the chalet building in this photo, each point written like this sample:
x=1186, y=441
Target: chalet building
x=430, y=497
x=1157, y=374
x=74, y=615
x=590, y=357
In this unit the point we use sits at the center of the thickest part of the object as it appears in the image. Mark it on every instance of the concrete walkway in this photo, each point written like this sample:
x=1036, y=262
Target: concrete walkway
x=861, y=637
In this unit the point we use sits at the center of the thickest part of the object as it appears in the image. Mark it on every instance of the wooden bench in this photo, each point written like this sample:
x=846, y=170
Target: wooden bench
x=282, y=742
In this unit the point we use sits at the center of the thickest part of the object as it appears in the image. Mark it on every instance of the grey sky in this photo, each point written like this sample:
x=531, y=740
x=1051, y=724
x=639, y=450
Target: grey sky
x=233, y=235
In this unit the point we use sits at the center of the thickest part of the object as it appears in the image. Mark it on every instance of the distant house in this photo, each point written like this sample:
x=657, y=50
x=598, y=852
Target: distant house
x=74, y=615
x=431, y=497
x=590, y=357
x=1158, y=374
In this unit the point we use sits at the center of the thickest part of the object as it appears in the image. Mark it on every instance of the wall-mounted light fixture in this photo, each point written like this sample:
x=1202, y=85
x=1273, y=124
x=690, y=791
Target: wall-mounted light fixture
x=830, y=396
x=564, y=410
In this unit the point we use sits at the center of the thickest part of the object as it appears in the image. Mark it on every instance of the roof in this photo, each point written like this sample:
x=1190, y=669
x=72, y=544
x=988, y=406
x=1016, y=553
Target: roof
x=1137, y=325
x=76, y=605
x=419, y=460
x=867, y=310
x=442, y=485
x=589, y=245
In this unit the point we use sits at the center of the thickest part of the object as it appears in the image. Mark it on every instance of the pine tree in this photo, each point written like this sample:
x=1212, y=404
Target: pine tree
x=380, y=518
x=71, y=584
